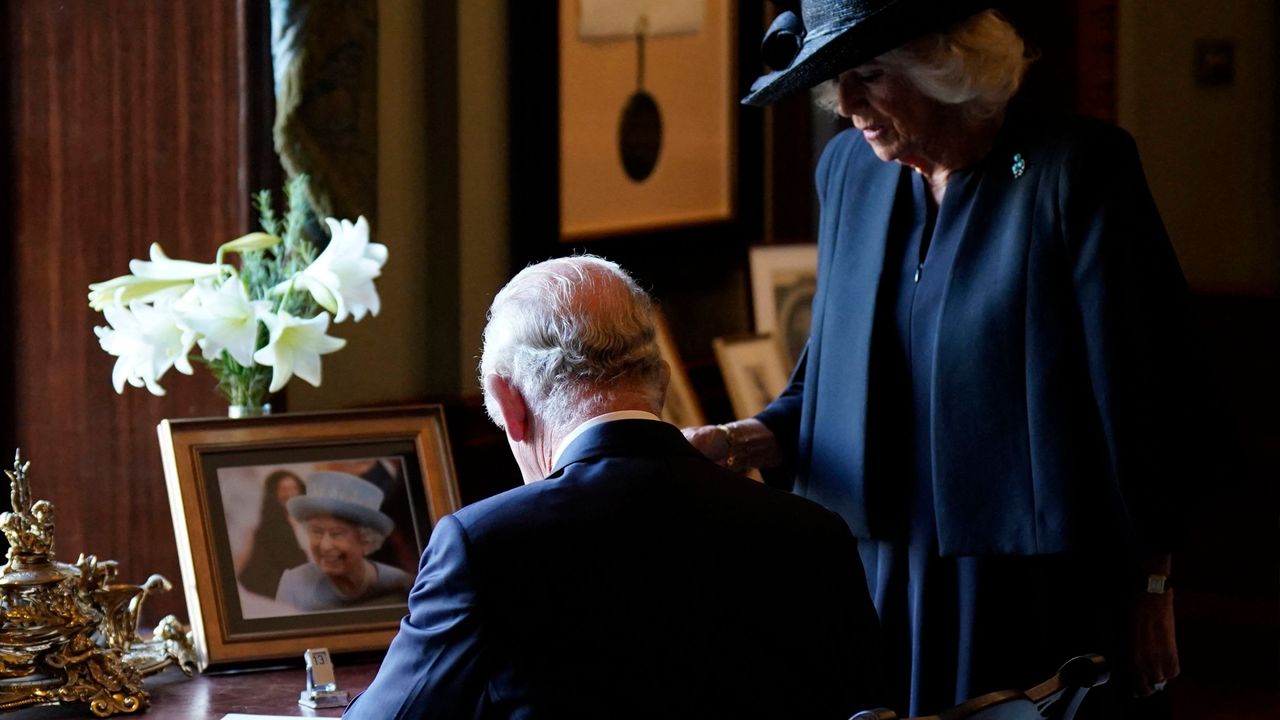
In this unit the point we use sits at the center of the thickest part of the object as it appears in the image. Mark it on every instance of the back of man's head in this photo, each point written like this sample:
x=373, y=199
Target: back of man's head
x=574, y=335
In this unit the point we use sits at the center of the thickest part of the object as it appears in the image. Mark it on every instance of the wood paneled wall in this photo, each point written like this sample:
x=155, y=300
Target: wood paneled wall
x=131, y=122
x=7, y=337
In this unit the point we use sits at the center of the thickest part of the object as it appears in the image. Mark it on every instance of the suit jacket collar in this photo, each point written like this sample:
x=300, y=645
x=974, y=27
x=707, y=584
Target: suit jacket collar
x=625, y=437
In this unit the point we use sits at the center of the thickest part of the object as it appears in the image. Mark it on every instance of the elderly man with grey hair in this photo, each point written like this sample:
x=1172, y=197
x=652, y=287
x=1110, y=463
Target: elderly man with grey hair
x=629, y=576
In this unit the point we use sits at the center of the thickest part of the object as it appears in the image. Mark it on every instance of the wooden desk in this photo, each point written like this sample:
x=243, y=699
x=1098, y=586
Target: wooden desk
x=174, y=696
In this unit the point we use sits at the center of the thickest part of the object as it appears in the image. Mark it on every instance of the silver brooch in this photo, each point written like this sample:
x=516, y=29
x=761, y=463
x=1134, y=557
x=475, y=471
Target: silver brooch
x=1019, y=165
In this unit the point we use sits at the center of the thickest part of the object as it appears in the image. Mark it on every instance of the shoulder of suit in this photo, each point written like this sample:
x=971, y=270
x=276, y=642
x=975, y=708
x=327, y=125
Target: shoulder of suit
x=783, y=506
x=478, y=511
x=522, y=506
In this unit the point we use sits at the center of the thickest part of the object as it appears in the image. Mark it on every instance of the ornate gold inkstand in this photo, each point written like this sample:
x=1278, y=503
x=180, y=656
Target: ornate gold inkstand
x=69, y=633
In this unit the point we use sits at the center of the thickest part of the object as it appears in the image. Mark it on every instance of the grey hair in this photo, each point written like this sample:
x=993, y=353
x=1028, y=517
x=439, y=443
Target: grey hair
x=571, y=334
x=978, y=63
x=370, y=539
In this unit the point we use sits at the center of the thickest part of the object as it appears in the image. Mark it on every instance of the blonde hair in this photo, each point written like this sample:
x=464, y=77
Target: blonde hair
x=978, y=63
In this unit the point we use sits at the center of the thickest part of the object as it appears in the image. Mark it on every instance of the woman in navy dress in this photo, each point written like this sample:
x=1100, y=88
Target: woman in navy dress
x=991, y=395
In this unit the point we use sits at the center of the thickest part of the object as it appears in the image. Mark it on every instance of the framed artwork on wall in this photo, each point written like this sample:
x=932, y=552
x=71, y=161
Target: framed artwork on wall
x=647, y=114
x=625, y=123
x=304, y=530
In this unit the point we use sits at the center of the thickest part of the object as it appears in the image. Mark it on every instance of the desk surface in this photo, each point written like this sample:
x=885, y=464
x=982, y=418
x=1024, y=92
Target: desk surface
x=174, y=696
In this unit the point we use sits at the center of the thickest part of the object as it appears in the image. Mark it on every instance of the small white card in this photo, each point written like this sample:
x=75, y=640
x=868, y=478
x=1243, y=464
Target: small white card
x=321, y=669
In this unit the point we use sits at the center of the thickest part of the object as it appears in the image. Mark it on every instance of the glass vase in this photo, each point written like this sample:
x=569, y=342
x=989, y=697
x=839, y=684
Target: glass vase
x=244, y=388
x=248, y=411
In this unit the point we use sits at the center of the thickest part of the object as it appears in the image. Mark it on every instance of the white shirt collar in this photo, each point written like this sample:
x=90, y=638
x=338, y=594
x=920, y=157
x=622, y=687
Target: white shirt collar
x=599, y=420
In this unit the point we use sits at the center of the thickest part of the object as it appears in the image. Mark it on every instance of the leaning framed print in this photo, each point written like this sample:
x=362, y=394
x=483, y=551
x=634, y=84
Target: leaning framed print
x=680, y=407
x=784, y=279
x=753, y=371
x=303, y=530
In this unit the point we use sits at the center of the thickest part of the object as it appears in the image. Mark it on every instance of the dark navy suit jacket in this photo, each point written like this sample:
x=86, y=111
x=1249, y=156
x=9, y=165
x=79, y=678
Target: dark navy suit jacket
x=637, y=580
x=1061, y=407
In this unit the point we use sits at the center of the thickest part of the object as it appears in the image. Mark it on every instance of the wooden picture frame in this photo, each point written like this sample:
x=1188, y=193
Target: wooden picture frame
x=681, y=407
x=784, y=279
x=223, y=477
x=542, y=127
x=753, y=371
x=646, y=121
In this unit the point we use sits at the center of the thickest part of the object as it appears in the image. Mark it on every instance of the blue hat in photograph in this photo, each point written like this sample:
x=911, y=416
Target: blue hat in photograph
x=822, y=38
x=344, y=496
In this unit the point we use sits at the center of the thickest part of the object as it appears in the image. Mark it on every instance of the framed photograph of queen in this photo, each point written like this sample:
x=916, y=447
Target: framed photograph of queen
x=303, y=530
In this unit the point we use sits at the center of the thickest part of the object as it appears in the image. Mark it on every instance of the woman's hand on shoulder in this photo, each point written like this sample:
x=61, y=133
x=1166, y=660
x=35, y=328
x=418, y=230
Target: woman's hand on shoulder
x=737, y=445
x=710, y=440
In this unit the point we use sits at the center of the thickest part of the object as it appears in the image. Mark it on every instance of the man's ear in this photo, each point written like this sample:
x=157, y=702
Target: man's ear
x=511, y=405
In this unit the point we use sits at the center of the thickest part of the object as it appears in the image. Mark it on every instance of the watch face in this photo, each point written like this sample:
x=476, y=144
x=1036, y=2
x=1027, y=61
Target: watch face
x=1156, y=584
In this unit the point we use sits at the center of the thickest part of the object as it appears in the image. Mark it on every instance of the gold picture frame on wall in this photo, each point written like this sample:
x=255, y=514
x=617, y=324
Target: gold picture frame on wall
x=306, y=505
x=648, y=112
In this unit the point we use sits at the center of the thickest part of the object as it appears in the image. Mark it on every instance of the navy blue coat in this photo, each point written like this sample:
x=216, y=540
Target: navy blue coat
x=1060, y=414
x=637, y=580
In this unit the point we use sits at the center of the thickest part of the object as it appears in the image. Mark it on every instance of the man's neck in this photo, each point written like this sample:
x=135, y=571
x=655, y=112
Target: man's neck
x=618, y=411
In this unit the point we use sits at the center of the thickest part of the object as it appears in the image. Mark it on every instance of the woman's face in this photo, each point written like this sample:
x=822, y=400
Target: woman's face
x=287, y=488
x=336, y=546
x=898, y=121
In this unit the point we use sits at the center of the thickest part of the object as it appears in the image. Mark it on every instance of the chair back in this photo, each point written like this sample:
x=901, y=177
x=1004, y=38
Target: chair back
x=1060, y=696
x=1057, y=698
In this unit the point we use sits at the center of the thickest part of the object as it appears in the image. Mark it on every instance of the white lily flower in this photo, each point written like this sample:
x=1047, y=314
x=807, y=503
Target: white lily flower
x=341, y=279
x=126, y=289
x=164, y=307
x=295, y=347
x=224, y=318
x=161, y=267
x=150, y=280
x=147, y=341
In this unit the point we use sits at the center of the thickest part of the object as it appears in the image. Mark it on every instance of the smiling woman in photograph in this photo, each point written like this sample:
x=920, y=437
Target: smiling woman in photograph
x=344, y=525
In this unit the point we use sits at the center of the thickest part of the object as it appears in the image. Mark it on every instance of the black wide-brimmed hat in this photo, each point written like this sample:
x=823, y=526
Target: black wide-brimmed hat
x=828, y=37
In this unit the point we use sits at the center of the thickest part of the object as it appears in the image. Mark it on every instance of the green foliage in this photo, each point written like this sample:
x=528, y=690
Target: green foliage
x=262, y=272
